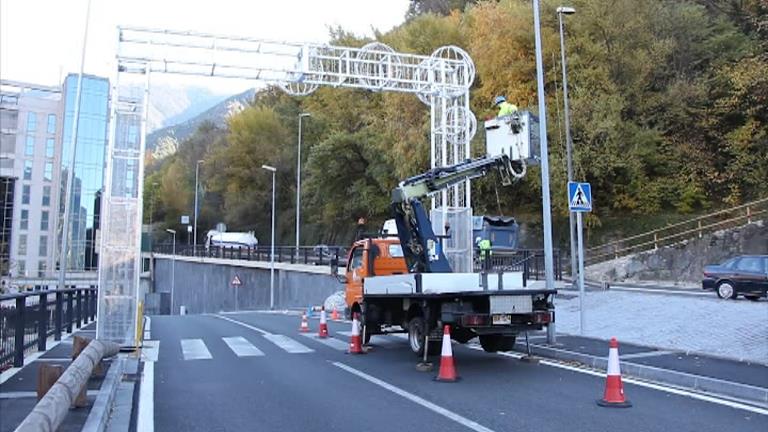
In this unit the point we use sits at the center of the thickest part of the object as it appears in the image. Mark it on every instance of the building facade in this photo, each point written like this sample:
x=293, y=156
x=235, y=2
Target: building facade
x=31, y=130
x=88, y=181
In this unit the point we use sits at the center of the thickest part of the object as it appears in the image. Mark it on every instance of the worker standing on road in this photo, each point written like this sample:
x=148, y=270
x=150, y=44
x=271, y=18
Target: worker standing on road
x=505, y=108
x=484, y=245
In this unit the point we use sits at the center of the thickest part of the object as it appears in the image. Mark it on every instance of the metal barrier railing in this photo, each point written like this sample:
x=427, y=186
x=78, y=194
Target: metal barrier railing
x=670, y=234
x=310, y=255
x=528, y=261
x=28, y=319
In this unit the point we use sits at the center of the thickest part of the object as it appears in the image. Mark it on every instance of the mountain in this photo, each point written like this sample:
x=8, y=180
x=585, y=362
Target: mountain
x=171, y=104
x=163, y=142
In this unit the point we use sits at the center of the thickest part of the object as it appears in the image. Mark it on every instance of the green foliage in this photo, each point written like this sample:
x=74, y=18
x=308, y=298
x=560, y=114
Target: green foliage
x=669, y=114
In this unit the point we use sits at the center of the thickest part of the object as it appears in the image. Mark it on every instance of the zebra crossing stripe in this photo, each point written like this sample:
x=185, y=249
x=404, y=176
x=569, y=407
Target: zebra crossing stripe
x=287, y=344
x=194, y=349
x=242, y=347
x=331, y=342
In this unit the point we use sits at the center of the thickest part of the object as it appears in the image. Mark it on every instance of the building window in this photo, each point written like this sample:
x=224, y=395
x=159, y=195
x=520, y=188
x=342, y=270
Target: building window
x=25, y=194
x=43, y=246
x=24, y=221
x=22, y=244
x=29, y=148
x=31, y=122
x=49, y=148
x=27, y=170
x=46, y=196
x=48, y=171
x=51, y=123
x=42, y=268
x=44, y=221
x=22, y=268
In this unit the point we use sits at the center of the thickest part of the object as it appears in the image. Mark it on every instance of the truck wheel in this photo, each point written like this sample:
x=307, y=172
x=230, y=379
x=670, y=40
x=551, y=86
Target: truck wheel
x=416, y=338
x=494, y=343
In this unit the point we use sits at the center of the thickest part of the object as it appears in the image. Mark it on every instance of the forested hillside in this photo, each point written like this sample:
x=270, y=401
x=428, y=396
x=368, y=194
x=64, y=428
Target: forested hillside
x=669, y=109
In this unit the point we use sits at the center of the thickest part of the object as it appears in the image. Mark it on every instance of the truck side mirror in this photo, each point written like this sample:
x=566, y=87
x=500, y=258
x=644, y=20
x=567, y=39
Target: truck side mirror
x=342, y=278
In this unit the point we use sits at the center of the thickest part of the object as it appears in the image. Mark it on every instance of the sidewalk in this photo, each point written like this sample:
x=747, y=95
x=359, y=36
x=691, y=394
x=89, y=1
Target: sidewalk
x=736, y=330
x=18, y=394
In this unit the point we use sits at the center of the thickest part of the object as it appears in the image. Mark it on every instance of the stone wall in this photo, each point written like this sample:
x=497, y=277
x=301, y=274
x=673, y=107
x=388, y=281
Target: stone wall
x=684, y=261
x=204, y=285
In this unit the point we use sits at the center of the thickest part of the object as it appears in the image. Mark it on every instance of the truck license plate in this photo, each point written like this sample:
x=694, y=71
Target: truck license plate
x=502, y=319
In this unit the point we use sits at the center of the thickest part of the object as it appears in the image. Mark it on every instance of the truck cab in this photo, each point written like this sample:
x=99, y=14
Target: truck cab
x=371, y=257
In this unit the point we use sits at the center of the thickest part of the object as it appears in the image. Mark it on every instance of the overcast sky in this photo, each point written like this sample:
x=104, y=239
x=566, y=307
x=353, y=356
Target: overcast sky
x=40, y=40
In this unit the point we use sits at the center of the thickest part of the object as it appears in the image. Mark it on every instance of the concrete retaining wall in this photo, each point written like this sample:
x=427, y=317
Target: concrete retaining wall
x=204, y=285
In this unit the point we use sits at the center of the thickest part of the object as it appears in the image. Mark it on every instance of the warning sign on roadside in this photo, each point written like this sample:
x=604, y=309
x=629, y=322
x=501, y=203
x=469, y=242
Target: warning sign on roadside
x=236, y=281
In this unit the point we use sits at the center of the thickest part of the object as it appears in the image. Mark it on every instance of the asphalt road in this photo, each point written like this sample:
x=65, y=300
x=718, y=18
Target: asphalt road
x=202, y=384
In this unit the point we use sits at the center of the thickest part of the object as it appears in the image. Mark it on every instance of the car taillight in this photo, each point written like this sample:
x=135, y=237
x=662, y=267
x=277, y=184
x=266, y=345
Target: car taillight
x=542, y=317
x=474, y=320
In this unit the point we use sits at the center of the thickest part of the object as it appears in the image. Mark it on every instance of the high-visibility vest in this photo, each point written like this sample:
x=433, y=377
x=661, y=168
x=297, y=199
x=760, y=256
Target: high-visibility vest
x=485, y=247
x=506, y=108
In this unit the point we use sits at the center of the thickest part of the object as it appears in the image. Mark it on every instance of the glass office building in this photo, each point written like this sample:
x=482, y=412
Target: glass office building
x=82, y=251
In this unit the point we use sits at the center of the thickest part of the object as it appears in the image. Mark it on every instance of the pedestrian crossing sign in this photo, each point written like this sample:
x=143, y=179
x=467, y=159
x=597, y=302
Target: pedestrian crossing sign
x=579, y=197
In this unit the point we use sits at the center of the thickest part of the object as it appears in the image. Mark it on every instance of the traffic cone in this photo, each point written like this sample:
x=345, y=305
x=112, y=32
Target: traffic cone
x=447, y=368
x=322, y=331
x=304, y=324
x=614, y=390
x=355, y=340
x=335, y=314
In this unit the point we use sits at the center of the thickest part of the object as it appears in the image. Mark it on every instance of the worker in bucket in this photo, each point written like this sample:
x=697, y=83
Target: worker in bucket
x=505, y=108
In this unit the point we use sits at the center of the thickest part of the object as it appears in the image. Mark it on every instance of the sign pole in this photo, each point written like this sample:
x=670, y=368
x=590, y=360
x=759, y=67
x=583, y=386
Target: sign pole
x=580, y=229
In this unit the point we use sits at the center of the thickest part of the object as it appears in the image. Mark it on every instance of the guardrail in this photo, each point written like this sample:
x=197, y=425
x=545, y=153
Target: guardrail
x=528, y=261
x=27, y=320
x=670, y=234
x=310, y=255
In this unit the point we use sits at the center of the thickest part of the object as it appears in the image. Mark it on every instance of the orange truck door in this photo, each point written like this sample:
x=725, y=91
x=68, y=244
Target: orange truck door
x=356, y=271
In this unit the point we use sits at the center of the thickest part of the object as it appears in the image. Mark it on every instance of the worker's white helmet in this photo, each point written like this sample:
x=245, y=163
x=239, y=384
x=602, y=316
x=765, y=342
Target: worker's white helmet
x=477, y=240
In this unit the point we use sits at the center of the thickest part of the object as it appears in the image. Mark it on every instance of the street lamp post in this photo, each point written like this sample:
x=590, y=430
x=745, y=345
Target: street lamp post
x=272, y=247
x=173, y=266
x=298, y=186
x=564, y=10
x=197, y=177
x=549, y=271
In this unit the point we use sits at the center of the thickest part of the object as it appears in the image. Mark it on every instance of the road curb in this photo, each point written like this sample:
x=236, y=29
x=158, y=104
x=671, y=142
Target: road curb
x=685, y=380
x=99, y=415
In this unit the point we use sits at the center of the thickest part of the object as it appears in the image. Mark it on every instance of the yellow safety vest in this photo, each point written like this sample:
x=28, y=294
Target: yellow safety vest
x=506, y=108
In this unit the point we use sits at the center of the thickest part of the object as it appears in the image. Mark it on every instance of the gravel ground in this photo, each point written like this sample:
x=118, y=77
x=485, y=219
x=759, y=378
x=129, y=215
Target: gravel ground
x=726, y=328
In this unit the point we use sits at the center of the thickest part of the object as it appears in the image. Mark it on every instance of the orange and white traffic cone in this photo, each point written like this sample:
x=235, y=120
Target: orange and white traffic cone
x=304, y=328
x=322, y=331
x=355, y=340
x=614, y=390
x=335, y=314
x=447, y=368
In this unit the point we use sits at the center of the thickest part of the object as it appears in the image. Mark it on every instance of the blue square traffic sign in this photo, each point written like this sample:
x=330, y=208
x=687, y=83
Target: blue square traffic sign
x=579, y=197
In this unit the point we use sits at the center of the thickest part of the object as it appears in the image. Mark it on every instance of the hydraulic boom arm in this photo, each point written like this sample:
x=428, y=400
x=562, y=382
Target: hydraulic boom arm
x=421, y=247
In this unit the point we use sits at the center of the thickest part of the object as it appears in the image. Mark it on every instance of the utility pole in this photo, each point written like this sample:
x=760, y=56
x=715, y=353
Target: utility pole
x=197, y=176
x=549, y=270
x=298, y=186
x=272, y=247
x=562, y=10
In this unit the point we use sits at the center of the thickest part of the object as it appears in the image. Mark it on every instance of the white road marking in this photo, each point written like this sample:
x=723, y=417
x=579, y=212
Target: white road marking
x=329, y=341
x=146, y=418
x=645, y=354
x=264, y=332
x=195, y=349
x=345, y=333
x=641, y=383
x=33, y=394
x=150, y=351
x=416, y=399
x=55, y=360
x=288, y=344
x=242, y=347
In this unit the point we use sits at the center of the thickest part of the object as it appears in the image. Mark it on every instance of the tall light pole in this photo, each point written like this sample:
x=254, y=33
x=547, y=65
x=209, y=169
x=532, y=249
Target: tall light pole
x=197, y=177
x=173, y=266
x=298, y=185
x=272, y=248
x=549, y=270
x=564, y=10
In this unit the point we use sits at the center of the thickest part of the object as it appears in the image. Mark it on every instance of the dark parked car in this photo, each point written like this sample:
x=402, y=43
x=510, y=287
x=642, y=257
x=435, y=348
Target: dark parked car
x=746, y=275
